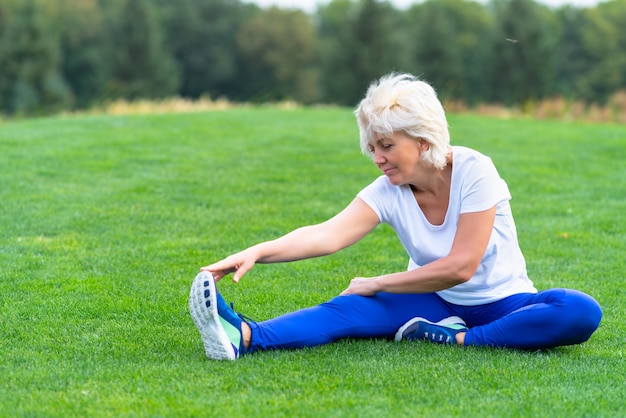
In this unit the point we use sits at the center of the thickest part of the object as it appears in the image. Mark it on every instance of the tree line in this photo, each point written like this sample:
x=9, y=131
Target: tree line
x=72, y=54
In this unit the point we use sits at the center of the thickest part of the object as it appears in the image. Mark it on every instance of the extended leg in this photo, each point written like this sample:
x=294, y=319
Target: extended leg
x=344, y=317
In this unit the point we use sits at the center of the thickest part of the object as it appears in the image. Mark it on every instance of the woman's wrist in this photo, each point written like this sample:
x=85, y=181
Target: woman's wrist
x=379, y=283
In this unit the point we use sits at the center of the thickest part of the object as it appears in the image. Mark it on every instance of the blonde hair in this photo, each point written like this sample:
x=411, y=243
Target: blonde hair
x=402, y=102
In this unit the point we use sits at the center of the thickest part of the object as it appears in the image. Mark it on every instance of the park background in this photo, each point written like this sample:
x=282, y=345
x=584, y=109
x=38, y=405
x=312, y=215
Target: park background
x=68, y=55
x=136, y=146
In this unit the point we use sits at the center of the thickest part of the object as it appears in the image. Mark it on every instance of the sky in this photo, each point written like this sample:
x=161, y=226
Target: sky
x=310, y=5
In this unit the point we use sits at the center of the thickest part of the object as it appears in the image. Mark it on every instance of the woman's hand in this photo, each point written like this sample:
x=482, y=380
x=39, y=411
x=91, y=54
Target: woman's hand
x=362, y=286
x=239, y=264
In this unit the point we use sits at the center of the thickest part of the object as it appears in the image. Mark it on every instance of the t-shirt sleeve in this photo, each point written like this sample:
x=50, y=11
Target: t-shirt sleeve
x=377, y=196
x=482, y=186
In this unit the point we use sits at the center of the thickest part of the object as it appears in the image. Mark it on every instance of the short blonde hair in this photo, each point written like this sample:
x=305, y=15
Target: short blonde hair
x=402, y=102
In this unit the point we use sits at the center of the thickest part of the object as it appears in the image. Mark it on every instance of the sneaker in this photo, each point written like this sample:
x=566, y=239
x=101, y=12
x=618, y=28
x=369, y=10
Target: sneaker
x=443, y=332
x=219, y=325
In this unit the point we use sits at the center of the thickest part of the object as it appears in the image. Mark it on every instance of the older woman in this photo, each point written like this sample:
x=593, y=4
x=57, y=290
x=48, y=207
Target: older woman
x=466, y=282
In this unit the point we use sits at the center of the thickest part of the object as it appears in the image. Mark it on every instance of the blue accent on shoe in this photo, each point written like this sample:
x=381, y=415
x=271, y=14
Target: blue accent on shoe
x=442, y=332
x=231, y=322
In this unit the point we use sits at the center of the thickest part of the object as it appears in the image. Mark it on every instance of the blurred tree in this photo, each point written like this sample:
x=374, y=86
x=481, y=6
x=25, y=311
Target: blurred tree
x=524, y=50
x=377, y=49
x=437, y=52
x=142, y=65
x=615, y=13
x=30, y=80
x=600, y=74
x=4, y=16
x=509, y=51
x=278, y=50
x=450, y=46
x=201, y=36
x=86, y=56
x=336, y=55
x=360, y=42
x=570, y=60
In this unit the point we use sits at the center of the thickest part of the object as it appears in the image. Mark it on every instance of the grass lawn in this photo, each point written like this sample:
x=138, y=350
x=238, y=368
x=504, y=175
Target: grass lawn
x=105, y=220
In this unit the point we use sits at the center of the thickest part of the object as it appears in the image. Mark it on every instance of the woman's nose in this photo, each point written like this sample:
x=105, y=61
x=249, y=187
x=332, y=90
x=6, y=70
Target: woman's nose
x=378, y=157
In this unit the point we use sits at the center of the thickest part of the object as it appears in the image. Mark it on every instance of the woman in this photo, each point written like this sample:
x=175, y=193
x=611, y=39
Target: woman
x=466, y=283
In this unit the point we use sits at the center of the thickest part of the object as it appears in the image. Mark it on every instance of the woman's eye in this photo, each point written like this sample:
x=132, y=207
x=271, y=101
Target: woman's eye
x=386, y=146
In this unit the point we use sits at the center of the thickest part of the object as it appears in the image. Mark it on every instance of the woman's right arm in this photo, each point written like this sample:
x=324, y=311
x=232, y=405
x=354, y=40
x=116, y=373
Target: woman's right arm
x=340, y=231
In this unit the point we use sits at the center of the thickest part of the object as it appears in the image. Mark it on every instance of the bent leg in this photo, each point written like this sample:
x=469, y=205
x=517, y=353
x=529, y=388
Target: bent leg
x=350, y=316
x=547, y=319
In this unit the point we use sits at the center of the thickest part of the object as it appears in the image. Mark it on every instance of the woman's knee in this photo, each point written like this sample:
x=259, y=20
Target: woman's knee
x=585, y=313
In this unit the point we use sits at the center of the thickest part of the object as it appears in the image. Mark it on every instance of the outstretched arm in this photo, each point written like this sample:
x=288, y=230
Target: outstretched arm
x=342, y=230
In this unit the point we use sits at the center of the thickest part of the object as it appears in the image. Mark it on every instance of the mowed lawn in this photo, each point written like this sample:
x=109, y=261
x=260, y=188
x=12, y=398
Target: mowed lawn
x=105, y=221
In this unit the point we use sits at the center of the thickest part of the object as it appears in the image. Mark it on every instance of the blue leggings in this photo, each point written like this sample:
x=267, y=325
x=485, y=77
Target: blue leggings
x=546, y=319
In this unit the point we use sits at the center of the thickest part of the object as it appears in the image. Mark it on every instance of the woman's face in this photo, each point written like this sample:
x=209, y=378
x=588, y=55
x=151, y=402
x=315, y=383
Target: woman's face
x=398, y=156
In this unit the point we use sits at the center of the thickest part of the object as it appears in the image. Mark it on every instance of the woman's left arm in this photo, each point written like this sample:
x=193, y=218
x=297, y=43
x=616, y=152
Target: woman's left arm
x=469, y=245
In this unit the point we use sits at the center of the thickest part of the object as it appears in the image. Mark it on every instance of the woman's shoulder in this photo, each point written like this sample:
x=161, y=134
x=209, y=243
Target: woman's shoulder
x=466, y=158
x=466, y=153
x=381, y=186
x=381, y=183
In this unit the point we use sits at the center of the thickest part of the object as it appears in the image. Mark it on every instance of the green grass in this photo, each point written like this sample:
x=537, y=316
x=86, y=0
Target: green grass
x=105, y=221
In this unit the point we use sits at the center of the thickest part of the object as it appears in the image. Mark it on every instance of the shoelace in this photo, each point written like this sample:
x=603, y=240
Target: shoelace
x=242, y=316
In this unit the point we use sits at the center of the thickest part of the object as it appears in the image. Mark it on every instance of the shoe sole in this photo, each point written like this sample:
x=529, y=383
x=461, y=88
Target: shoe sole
x=446, y=321
x=203, y=309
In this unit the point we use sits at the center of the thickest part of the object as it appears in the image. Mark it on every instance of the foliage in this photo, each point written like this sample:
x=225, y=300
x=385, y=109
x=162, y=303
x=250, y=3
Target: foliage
x=142, y=66
x=450, y=44
x=202, y=37
x=279, y=49
x=106, y=220
x=86, y=53
x=30, y=80
x=570, y=58
x=523, y=51
x=359, y=43
x=600, y=44
x=83, y=53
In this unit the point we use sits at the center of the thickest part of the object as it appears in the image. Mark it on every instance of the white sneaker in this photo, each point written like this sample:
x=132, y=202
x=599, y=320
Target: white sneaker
x=203, y=302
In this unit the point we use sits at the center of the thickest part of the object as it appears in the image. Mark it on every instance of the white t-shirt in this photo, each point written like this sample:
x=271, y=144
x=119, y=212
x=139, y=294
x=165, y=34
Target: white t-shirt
x=475, y=186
